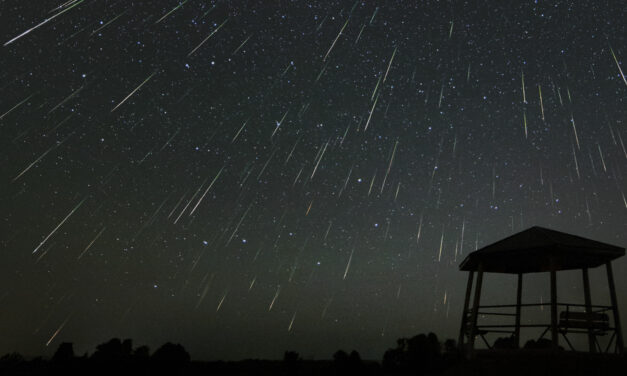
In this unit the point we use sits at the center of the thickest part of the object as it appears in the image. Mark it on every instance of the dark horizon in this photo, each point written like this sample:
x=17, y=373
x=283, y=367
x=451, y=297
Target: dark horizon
x=423, y=354
x=247, y=178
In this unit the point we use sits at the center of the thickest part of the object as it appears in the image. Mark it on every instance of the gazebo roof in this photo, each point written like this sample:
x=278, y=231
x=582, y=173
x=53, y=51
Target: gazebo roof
x=533, y=250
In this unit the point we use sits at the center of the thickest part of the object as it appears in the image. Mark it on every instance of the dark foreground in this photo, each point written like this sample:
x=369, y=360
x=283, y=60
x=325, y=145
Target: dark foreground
x=493, y=362
x=540, y=363
x=418, y=355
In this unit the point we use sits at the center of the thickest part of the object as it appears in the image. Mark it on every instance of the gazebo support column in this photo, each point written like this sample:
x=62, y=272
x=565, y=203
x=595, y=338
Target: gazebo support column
x=554, y=333
x=518, y=302
x=462, y=331
x=588, y=300
x=475, y=313
x=619, y=332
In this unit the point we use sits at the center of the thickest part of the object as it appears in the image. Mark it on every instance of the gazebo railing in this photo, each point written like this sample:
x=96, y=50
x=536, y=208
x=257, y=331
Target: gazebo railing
x=604, y=307
x=571, y=321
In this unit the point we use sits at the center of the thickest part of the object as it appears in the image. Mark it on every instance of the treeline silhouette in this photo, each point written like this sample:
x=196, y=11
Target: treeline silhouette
x=422, y=354
x=112, y=357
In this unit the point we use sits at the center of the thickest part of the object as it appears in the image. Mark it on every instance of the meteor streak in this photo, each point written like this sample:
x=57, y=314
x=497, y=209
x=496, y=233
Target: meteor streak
x=16, y=106
x=206, y=190
x=348, y=264
x=59, y=225
x=171, y=11
x=241, y=45
x=336, y=38
x=618, y=65
x=390, y=63
x=42, y=23
x=133, y=92
x=207, y=38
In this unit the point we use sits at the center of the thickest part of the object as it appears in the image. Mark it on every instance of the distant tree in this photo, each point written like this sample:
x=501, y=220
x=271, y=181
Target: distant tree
x=355, y=365
x=451, y=353
x=423, y=352
x=354, y=358
x=341, y=362
x=38, y=360
x=396, y=359
x=171, y=353
x=141, y=353
x=450, y=346
x=113, y=351
x=541, y=344
x=64, y=354
x=127, y=348
x=291, y=356
x=420, y=354
x=340, y=357
x=506, y=343
x=347, y=363
x=291, y=360
x=11, y=359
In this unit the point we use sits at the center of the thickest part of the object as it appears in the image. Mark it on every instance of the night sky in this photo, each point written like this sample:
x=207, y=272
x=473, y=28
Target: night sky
x=248, y=177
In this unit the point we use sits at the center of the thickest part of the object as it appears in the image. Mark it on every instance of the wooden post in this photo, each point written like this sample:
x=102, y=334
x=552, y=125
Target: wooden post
x=619, y=332
x=554, y=333
x=518, y=302
x=475, y=312
x=586, y=293
x=462, y=330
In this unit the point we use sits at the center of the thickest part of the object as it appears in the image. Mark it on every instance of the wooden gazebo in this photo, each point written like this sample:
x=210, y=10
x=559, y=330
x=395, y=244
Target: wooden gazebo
x=537, y=250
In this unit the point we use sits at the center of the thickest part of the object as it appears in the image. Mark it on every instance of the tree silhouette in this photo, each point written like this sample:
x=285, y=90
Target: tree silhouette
x=450, y=346
x=141, y=353
x=11, y=359
x=395, y=359
x=451, y=353
x=64, y=353
x=291, y=356
x=354, y=357
x=171, y=353
x=506, y=343
x=540, y=344
x=291, y=360
x=421, y=354
x=340, y=362
x=113, y=351
x=347, y=364
x=340, y=357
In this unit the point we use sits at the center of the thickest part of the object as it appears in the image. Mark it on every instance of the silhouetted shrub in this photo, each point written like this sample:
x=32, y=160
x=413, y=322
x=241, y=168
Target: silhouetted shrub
x=396, y=359
x=291, y=356
x=506, y=343
x=113, y=351
x=64, y=354
x=421, y=354
x=354, y=358
x=141, y=353
x=11, y=359
x=344, y=363
x=452, y=354
x=450, y=346
x=171, y=353
x=291, y=359
x=127, y=348
x=541, y=344
x=340, y=357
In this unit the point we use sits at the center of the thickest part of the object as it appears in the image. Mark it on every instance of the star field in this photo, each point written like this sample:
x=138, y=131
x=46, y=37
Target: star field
x=247, y=177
